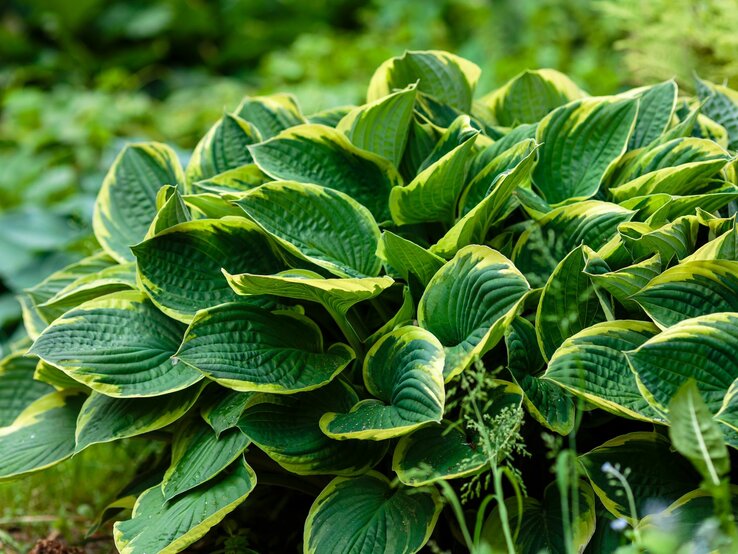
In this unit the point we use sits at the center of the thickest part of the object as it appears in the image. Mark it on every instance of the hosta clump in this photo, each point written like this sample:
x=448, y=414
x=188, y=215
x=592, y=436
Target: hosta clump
x=339, y=320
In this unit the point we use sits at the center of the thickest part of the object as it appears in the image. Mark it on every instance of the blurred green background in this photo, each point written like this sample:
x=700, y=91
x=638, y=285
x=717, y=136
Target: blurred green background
x=79, y=78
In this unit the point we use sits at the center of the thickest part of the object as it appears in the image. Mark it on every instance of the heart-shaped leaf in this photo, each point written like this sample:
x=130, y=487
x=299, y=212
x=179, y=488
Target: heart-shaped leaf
x=546, y=401
x=287, y=429
x=568, y=301
x=448, y=78
x=651, y=484
x=180, y=268
x=474, y=225
x=270, y=114
x=691, y=289
x=170, y=527
x=545, y=243
x=404, y=371
x=411, y=261
x=126, y=203
x=366, y=514
x=105, y=419
x=382, y=126
x=128, y=355
x=323, y=156
x=432, y=195
x=542, y=523
x=42, y=435
x=469, y=302
x=198, y=455
x=655, y=110
x=18, y=389
x=247, y=348
x=530, y=96
x=702, y=348
x=224, y=147
x=320, y=225
x=591, y=365
x=580, y=142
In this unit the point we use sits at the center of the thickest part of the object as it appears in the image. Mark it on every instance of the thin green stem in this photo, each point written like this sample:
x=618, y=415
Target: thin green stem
x=349, y=332
x=451, y=497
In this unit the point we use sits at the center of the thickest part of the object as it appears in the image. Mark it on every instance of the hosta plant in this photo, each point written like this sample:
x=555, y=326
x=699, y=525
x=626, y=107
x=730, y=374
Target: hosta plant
x=498, y=323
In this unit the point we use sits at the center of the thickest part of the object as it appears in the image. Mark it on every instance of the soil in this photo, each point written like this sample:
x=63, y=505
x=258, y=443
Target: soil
x=54, y=546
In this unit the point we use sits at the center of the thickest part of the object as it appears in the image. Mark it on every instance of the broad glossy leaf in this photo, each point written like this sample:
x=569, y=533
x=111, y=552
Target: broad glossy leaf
x=437, y=452
x=36, y=317
x=450, y=451
x=198, y=455
x=171, y=210
x=530, y=96
x=382, y=125
x=87, y=287
x=42, y=435
x=679, y=152
x=224, y=147
x=655, y=473
x=323, y=156
x=580, y=142
x=458, y=131
x=722, y=106
x=623, y=283
x=236, y=180
x=687, y=177
x=542, y=526
x=591, y=364
x=105, y=419
x=724, y=247
x=180, y=269
x=421, y=140
x=487, y=176
x=247, y=348
x=542, y=246
x=691, y=289
x=119, y=345
x=546, y=401
x=703, y=348
x=490, y=152
x=270, y=114
x=170, y=527
x=287, y=429
x=51, y=375
x=366, y=515
x=432, y=195
x=474, y=225
x=318, y=224
x=671, y=207
x=469, y=302
x=411, y=261
x=18, y=389
x=126, y=203
x=672, y=240
x=330, y=117
x=209, y=205
x=708, y=128
x=655, y=111
x=223, y=407
x=404, y=372
x=337, y=295
x=448, y=78
x=696, y=436
x=568, y=302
